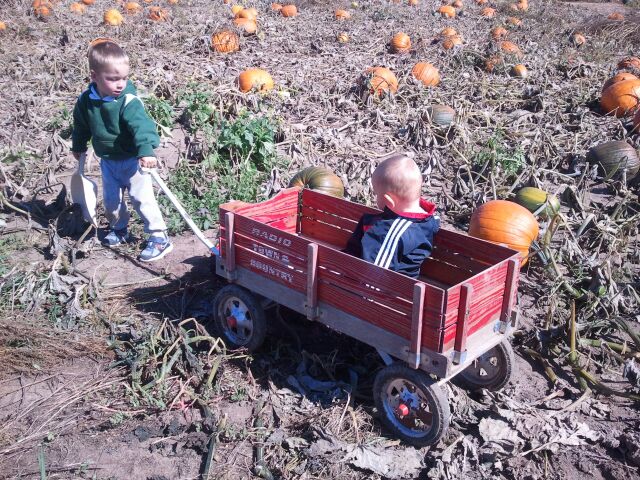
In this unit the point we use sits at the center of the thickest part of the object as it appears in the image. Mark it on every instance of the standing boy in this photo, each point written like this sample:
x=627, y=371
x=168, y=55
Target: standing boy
x=123, y=136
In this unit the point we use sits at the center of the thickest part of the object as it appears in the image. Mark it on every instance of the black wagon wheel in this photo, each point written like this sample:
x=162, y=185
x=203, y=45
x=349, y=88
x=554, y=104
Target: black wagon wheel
x=239, y=318
x=411, y=405
x=491, y=370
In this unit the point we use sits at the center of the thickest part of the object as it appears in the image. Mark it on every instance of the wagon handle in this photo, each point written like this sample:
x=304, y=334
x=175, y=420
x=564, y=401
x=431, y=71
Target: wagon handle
x=176, y=203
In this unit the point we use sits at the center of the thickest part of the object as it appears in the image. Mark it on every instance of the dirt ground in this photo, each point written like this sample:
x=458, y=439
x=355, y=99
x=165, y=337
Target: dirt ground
x=68, y=404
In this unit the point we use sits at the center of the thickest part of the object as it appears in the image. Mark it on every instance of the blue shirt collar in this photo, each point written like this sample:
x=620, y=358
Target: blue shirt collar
x=94, y=95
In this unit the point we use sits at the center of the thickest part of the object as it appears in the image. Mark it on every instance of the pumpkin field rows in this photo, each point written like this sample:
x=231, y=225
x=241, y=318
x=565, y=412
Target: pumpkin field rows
x=524, y=117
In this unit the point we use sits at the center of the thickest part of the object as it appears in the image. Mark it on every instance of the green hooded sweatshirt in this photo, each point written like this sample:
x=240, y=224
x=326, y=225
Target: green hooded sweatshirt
x=119, y=128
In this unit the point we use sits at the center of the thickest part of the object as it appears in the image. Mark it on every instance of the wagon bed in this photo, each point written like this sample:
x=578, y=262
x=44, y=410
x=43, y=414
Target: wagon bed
x=288, y=249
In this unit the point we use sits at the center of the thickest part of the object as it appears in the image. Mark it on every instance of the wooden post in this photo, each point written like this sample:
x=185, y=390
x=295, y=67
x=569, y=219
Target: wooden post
x=460, y=345
x=509, y=291
x=416, y=323
x=230, y=257
x=312, y=281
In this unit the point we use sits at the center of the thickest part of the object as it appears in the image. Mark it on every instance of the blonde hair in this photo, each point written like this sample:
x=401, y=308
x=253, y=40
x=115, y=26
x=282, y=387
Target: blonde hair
x=105, y=53
x=400, y=175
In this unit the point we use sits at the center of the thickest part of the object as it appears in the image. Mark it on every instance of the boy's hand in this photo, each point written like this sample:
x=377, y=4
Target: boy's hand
x=148, y=162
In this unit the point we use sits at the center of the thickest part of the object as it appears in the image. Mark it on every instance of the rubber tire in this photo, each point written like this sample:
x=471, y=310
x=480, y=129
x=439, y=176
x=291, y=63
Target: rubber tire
x=506, y=363
x=436, y=396
x=253, y=306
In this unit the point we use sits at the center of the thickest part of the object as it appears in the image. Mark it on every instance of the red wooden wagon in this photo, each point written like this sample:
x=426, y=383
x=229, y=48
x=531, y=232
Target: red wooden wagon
x=452, y=321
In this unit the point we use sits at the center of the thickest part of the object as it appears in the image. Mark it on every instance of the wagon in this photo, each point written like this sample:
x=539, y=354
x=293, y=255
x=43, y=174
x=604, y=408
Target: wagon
x=453, y=321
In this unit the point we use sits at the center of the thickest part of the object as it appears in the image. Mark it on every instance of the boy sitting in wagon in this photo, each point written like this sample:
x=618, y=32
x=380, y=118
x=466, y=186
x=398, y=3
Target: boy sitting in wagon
x=401, y=237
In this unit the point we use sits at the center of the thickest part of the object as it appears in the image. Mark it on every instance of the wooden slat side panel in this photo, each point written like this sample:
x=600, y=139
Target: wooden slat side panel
x=432, y=338
x=370, y=312
x=324, y=233
x=279, y=253
x=293, y=278
x=336, y=206
x=472, y=247
x=269, y=236
x=325, y=217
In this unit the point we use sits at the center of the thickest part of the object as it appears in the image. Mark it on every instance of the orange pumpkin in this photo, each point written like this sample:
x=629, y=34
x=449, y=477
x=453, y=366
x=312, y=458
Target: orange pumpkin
x=132, y=8
x=621, y=98
x=426, y=73
x=457, y=4
x=249, y=13
x=516, y=22
x=504, y=222
x=158, y=14
x=493, y=62
x=225, y=42
x=172, y=2
x=255, y=79
x=578, y=39
x=451, y=41
x=77, y=7
x=448, y=32
x=381, y=80
x=276, y=7
x=510, y=48
x=629, y=63
x=248, y=25
x=447, y=11
x=488, y=12
x=616, y=16
x=619, y=77
x=342, y=15
x=400, y=43
x=235, y=9
x=343, y=37
x=412, y=3
x=113, y=17
x=88, y=2
x=482, y=2
x=519, y=71
x=289, y=11
x=3, y=26
x=498, y=32
x=42, y=9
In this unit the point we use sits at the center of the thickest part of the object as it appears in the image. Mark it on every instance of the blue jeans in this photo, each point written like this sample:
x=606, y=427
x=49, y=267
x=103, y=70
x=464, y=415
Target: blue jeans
x=121, y=175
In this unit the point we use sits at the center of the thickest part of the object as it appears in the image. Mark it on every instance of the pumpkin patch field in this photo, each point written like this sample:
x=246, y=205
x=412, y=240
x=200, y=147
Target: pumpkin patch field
x=524, y=118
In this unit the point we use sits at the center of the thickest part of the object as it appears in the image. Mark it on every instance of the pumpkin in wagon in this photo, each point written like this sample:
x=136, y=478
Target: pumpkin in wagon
x=225, y=42
x=426, y=73
x=505, y=222
x=381, y=80
x=320, y=179
x=612, y=158
x=400, y=43
x=255, y=79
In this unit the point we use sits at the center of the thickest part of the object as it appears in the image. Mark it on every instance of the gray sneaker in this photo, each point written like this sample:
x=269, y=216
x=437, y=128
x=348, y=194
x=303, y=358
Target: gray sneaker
x=157, y=247
x=116, y=237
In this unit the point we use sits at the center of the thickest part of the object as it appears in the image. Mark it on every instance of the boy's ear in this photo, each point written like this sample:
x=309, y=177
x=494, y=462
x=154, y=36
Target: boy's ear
x=92, y=74
x=390, y=200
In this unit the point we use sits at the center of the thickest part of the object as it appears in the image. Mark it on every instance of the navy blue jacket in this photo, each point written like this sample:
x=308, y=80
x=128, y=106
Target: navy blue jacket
x=399, y=242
